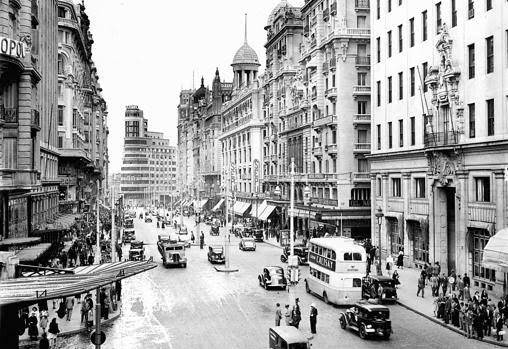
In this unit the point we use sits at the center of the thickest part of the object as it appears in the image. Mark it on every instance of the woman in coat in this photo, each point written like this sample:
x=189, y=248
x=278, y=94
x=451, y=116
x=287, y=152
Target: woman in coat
x=53, y=332
x=400, y=260
x=33, y=331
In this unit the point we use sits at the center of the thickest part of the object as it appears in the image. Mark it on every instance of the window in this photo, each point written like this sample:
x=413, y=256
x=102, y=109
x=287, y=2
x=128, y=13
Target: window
x=489, y=5
x=10, y=152
x=425, y=71
x=470, y=9
x=454, y=14
x=396, y=187
x=61, y=64
x=482, y=188
x=411, y=32
x=362, y=107
x=389, y=5
x=378, y=9
x=378, y=88
x=362, y=78
x=490, y=117
x=401, y=86
x=378, y=133
x=480, y=239
x=389, y=43
x=60, y=142
x=390, y=135
x=412, y=81
x=471, y=60
x=401, y=133
x=400, y=38
x=61, y=12
x=420, y=188
x=379, y=187
x=389, y=89
x=424, y=25
x=413, y=131
x=438, y=18
x=472, y=117
x=490, y=54
x=60, y=115
x=378, y=49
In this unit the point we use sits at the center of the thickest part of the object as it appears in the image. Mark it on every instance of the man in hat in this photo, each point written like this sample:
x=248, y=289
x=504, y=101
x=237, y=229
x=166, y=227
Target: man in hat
x=297, y=314
x=313, y=318
x=278, y=315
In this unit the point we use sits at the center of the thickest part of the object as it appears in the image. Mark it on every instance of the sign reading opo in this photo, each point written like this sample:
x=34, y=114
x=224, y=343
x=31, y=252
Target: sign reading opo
x=11, y=47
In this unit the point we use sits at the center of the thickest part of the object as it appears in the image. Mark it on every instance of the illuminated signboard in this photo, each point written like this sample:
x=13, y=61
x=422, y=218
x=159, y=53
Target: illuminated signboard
x=12, y=47
x=322, y=261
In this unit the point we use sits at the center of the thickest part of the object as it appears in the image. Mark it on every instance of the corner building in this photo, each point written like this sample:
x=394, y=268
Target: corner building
x=440, y=140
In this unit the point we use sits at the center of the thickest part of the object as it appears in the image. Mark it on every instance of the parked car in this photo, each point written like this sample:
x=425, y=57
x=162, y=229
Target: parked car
x=370, y=288
x=216, y=254
x=148, y=219
x=287, y=337
x=128, y=235
x=368, y=320
x=273, y=277
x=258, y=235
x=136, y=251
x=301, y=250
x=247, y=244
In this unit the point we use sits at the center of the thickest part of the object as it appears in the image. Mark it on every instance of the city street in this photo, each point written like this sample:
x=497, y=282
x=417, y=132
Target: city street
x=198, y=307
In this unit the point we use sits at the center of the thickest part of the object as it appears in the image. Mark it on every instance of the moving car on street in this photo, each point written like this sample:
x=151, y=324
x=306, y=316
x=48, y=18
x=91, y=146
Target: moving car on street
x=380, y=287
x=368, y=320
x=258, y=235
x=216, y=254
x=287, y=337
x=137, y=251
x=214, y=230
x=128, y=235
x=247, y=244
x=171, y=251
x=148, y=219
x=184, y=236
x=273, y=277
x=300, y=250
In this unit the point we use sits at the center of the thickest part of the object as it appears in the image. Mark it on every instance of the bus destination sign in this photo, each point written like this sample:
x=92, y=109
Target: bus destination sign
x=322, y=261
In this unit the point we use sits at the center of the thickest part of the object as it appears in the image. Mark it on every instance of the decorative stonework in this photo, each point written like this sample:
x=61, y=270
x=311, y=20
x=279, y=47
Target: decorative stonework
x=444, y=165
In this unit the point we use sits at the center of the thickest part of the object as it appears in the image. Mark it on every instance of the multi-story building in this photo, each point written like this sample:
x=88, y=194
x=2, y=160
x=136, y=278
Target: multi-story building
x=185, y=149
x=82, y=113
x=242, y=130
x=335, y=98
x=149, y=163
x=28, y=59
x=440, y=133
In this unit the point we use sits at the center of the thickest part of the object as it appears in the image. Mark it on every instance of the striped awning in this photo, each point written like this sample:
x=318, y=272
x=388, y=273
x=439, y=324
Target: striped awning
x=267, y=212
x=32, y=253
x=495, y=253
x=218, y=206
x=260, y=209
x=28, y=290
x=240, y=207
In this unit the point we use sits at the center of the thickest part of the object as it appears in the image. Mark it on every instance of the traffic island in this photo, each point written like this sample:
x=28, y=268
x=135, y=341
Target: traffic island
x=225, y=270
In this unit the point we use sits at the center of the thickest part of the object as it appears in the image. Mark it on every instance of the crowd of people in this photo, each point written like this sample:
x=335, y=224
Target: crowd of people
x=293, y=316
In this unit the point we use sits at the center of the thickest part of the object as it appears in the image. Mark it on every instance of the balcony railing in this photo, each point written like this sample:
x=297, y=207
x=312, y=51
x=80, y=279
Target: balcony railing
x=325, y=121
x=333, y=63
x=361, y=90
x=331, y=149
x=361, y=118
x=359, y=203
x=438, y=139
x=362, y=5
x=325, y=67
x=317, y=151
x=273, y=157
x=331, y=92
x=362, y=60
x=362, y=147
x=9, y=115
x=325, y=201
x=361, y=176
x=362, y=33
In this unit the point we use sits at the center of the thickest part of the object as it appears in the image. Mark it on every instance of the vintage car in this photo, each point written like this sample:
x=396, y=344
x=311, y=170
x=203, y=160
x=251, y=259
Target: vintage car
x=128, y=223
x=370, y=288
x=128, y=235
x=247, y=244
x=273, y=277
x=282, y=337
x=368, y=320
x=301, y=250
x=258, y=235
x=148, y=219
x=171, y=251
x=184, y=236
x=136, y=251
x=214, y=230
x=216, y=254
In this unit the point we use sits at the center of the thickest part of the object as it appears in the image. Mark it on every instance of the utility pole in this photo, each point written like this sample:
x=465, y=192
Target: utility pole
x=226, y=249
x=292, y=260
x=113, y=231
x=98, y=236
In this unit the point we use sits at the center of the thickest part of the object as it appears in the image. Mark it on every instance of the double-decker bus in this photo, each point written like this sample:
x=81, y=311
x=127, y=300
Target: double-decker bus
x=336, y=268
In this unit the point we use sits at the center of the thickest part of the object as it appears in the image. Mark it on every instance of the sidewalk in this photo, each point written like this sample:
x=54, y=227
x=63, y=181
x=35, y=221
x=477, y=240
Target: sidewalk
x=425, y=306
x=67, y=328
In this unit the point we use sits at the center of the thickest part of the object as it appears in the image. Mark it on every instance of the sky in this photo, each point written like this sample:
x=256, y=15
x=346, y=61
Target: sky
x=147, y=51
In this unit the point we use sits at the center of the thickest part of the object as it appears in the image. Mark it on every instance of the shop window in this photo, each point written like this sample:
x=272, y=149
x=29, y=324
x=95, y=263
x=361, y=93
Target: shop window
x=420, y=242
x=396, y=239
x=480, y=273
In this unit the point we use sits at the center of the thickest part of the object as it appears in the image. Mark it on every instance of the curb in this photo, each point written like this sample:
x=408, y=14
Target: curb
x=26, y=343
x=274, y=244
x=450, y=327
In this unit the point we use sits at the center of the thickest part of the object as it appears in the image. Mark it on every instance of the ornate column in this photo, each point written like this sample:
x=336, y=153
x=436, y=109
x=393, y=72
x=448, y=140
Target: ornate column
x=406, y=194
x=461, y=240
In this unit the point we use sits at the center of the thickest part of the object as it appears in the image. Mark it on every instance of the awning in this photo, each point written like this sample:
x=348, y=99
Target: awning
x=198, y=205
x=260, y=209
x=32, y=253
x=482, y=225
x=240, y=207
x=420, y=218
x=397, y=215
x=495, y=253
x=19, y=241
x=267, y=212
x=218, y=206
x=29, y=290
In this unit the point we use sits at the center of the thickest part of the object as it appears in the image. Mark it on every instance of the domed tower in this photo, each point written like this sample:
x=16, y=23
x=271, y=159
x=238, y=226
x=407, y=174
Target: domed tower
x=200, y=93
x=245, y=64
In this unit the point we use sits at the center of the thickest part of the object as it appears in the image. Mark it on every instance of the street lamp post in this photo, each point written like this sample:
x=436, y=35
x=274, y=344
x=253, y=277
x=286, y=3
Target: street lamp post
x=379, y=218
x=307, y=201
x=98, y=235
x=113, y=231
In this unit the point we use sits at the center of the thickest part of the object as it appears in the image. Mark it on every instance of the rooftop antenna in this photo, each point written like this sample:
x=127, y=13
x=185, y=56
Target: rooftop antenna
x=245, y=28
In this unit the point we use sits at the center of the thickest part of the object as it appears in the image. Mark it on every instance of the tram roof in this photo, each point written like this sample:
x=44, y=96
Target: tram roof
x=336, y=243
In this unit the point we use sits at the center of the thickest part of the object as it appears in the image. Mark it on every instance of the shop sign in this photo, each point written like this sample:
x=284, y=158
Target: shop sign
x=322, y=261
x=11, y=47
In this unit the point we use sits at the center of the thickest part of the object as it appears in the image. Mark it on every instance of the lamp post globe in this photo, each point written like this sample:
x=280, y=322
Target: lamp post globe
x=277, y=190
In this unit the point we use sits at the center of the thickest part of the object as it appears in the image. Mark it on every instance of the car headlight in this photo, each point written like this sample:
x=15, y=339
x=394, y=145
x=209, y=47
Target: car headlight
x=383, y=295
x=369, y=326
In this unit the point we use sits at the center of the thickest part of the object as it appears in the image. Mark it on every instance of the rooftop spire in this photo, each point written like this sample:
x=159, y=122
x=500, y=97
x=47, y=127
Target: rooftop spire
x=245, y=28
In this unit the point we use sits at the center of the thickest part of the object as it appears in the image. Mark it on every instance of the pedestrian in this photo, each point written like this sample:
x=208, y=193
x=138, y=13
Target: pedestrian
x=489, y=318
x=90, y=259
x=462, y=325
x=44, y=342
x=443, y=282
x=287, y=315
x=43, y=321
x=395, y=278
x=69, y=303
x=278, y=315
x=107, y=306
x=53, y=333
x=467, y=292
x=436, y=270
x=434, y=285
x=499, y=328
x=201, y=240
x=400, y=260
x=33, y=331
x=460, y=285
x=313, y=318
x=297, y=314
x=466, y=280
x=484, y=297
x=389, y=264
x=84, y=311
x=468, y=318
x=89, y=323
x=421, y=285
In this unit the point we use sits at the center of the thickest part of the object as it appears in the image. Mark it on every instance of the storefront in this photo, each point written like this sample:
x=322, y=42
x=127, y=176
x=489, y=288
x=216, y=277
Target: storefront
x=395, y=233
x=483, y=276
x=418, y=234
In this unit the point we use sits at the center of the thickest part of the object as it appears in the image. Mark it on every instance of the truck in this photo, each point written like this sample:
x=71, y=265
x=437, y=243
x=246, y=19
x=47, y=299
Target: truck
x=172, y=251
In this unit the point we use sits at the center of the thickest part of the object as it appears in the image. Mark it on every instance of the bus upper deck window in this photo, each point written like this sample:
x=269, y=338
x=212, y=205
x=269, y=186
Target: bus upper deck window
x=348, y=256
x=357, y=282
x=333, y=255
x=357, y=256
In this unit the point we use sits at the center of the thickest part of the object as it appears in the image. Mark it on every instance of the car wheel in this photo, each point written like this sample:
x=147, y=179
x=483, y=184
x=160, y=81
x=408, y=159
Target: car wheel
x=259, y=281
x=185, y=265
x=325, y=298
x=363, y=332
x=386, y=335
x=307, y=288
x=342, y=321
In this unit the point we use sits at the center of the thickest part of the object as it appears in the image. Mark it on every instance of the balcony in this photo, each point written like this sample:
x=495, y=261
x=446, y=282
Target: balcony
x=9, y=115
x=18, y=179
x=317, y=151
x=361, y=91
x=363, y=148
x=322, y=177
x=273, y=138
x=326, y=15
x=440, y=139
x=294, y=125
x=306, y=30
x=362, y=5
x=331, y=93
x=359, y=203
x=266, y=139
x=325, y=68
x=351, y=33
x=361, y=119
x=361, y=177
x=325, y=121
x=35, y=120
x=331, y=149
x=333, y=8
x=362, y=61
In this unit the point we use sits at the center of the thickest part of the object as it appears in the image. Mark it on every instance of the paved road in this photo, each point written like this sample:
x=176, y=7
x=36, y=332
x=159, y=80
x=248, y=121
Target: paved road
x=198, y=307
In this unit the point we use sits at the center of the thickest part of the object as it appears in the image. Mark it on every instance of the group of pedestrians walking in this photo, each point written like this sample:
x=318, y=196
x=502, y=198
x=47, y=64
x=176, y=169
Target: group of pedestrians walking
x=293, y=317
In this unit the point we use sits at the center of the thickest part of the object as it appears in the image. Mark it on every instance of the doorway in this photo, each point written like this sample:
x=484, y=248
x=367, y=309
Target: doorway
x=444, y=229
x=450, y=231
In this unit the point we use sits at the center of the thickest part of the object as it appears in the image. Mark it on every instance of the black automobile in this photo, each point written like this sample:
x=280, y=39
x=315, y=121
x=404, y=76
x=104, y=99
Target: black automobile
x=214, y=230
x=368, y=320
x=258, y=235
x=216, y=254
x=148, y=219
x=272, y=277
x=301, y=250
x=379, y=287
